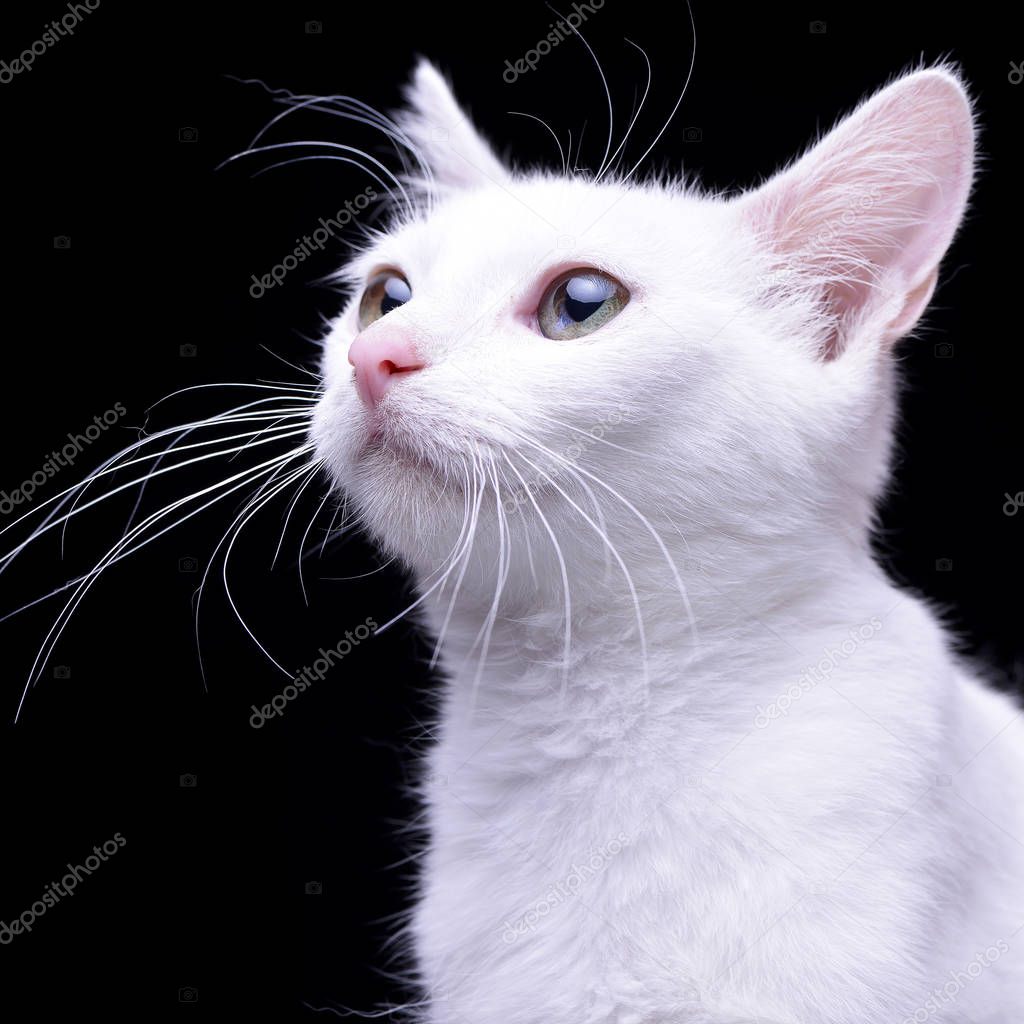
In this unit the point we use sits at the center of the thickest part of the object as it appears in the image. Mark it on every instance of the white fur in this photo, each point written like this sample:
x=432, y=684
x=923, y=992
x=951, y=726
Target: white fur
x=834, y=863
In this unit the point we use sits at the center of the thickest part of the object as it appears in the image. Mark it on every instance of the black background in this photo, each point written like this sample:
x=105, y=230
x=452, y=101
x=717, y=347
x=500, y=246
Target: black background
x=209, y=893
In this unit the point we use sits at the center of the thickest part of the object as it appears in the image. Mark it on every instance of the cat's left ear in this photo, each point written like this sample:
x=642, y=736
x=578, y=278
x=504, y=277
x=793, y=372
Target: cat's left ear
x=865, y=216
x=457, y=155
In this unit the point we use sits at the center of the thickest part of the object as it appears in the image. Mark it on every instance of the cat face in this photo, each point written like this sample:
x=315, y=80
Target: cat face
x=544, y=354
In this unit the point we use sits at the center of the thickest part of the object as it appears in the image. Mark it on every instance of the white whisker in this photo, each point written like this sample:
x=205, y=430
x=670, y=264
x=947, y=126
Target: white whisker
x=641, y=634
x=227, y=559
x=566, y=597
x=53, y=636
x=607, y=92
x=639, y=111
x=302, y=544
x=131, y=483
x=686, y=85
x=463, y=556
x=561, y=153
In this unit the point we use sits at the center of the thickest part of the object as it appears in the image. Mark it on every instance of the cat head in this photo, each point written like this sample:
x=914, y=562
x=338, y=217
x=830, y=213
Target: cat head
x=547, y=356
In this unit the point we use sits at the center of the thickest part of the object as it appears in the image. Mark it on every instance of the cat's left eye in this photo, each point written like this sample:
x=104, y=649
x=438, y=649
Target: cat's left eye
x=385, y=291
x=579, y=302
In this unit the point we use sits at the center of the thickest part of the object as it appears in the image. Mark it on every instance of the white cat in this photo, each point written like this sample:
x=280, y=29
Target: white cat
x=698, y=760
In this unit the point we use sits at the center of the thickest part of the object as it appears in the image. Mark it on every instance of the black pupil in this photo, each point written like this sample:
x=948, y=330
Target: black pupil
x=584, y=296
x=396, y=293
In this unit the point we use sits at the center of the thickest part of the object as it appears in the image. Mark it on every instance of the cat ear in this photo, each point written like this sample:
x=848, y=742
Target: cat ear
x=867, y=214
x=457, y=155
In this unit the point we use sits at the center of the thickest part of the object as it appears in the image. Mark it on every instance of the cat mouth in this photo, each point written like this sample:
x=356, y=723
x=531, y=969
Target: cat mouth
x=381, y=447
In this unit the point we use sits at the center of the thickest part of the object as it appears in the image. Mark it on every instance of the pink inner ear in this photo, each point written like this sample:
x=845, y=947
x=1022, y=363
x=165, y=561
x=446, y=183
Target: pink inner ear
x=869, y=212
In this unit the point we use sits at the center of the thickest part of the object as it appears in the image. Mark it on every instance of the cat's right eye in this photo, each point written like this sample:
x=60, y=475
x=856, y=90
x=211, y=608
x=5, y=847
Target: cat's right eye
x=579, y=302
x=385, y=291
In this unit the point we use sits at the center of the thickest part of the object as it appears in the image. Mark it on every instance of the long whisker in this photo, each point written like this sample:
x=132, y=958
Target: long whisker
x=291, y=389
x=313, y=143
x=302, y=545
x=600, y=440
x=321, y=156
x=639, y=111
x=504, y=557
x=463, y=558
x=318, y=387
x=576, y=469
x=288, y=518
x=686, y=85
x=566, y=596
x=63, y=496
x=561, y=152
x=327, y=104
x=330, y=529
x=641, y=633
x=176, y=447
x=131, y=483
x=450, y=562
x=343, y=106
x=607, y=92
x=53, y=636
x=281, y=465
x=358, y=576
x=227, y=560
x=120, y=557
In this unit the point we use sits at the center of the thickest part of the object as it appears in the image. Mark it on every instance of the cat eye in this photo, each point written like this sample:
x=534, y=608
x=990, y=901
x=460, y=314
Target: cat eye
x=385, y=291
x=579, y=302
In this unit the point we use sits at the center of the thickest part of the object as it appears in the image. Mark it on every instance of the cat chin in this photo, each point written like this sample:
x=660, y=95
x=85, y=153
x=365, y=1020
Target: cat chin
x=408, y=503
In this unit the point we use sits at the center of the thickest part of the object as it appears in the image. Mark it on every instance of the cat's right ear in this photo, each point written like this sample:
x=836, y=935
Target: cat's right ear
x=444, y=137
x=864, y=218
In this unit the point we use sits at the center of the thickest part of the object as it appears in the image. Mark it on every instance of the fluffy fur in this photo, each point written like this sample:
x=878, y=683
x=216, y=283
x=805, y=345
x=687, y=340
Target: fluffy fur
x=698, y=760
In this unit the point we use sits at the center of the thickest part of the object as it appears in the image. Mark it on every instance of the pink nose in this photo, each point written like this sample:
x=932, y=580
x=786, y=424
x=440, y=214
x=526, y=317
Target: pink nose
x=379, y=361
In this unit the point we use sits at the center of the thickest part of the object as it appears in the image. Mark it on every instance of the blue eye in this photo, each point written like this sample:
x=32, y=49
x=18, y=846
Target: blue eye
x=579, y=302
x=385, y=291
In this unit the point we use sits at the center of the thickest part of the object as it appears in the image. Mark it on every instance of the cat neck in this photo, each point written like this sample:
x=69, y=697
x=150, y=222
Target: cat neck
x=679, y=617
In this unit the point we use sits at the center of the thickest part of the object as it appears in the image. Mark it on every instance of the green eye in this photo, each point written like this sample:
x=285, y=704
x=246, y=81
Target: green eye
x=385, y=291
x=579, y=302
